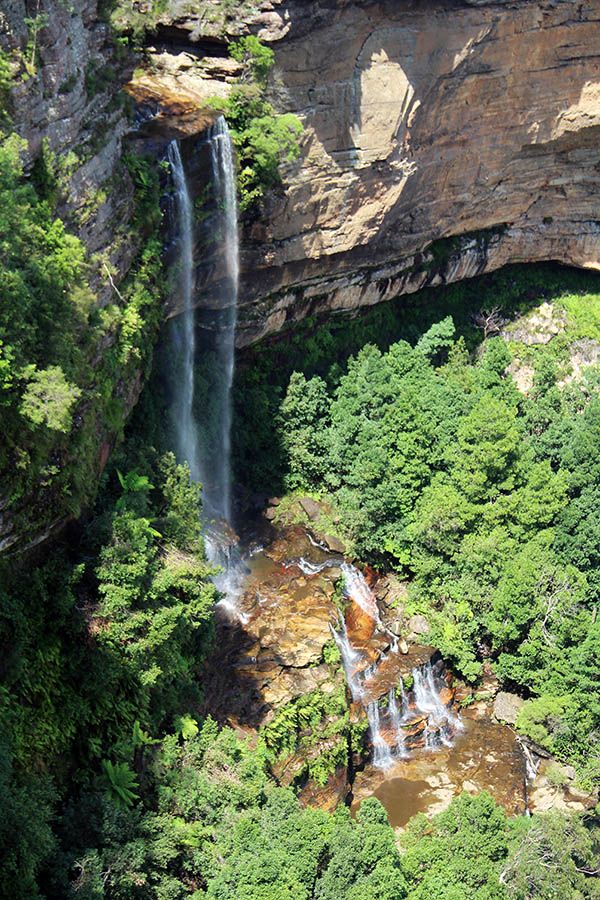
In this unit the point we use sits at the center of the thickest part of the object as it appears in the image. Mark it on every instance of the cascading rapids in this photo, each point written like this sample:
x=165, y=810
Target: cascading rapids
x=357, y=589
x=389, y=721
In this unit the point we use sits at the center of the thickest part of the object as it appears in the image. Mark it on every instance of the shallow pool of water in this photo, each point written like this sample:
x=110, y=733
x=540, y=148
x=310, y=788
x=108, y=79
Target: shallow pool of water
x=485, y=756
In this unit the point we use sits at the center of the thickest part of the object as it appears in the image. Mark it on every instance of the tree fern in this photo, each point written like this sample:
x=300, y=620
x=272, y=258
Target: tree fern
x=120, y=782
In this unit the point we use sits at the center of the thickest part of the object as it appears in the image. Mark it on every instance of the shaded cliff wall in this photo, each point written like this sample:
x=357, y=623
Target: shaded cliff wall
x=67, y=103
x=424, y=121
x=74, y=104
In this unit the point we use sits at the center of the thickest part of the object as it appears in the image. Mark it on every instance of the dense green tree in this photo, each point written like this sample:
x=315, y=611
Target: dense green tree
x=459, y=853
x=153, y=587
x=26, y=836
x=304, y=423
x=440, y=337
x=364, y=860
x=484, y=498
x=552, y=860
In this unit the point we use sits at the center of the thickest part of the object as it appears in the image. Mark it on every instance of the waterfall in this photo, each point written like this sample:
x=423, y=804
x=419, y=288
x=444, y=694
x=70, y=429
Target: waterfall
x=357, y=589
x=441, y=721
x=382, y=755
x=221, y=545
x=186, y=431
x=218, y=477
x=206, y=445
x=350, y=659
x=397, y=714
x=403, y=709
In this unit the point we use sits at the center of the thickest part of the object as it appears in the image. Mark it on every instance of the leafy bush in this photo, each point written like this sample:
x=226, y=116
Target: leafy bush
x=263, y=139
x=120, y=781
x=6, y=83
x=257, y=58
x=49, y=398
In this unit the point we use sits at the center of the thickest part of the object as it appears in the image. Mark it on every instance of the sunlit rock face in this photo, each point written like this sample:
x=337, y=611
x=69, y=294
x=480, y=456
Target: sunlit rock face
x=423, y=120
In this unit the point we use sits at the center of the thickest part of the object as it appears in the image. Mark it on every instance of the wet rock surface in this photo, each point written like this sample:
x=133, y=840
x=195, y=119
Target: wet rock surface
x=424, y=753
x=291, y=607
x=278, y=654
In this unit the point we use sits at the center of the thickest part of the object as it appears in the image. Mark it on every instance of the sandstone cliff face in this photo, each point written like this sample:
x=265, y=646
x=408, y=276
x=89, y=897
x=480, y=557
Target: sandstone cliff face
x=424, y=121
x=469, y=125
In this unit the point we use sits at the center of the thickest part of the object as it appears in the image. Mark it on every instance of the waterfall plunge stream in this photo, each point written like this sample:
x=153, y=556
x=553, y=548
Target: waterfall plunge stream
x=210, y=461
x=218, y=480
x=186, y=432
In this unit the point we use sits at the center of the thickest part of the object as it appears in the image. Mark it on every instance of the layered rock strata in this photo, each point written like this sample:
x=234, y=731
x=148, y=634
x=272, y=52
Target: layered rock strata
x=472, y=123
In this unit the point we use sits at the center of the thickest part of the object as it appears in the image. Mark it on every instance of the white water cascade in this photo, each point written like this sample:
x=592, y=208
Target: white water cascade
x=350, y=659
x=441, y=721
x=382, y=754
x=357, y=589
x=218, y=477
x=186, y=431
x=425, y=700
x=310, y=568
x=388, y=723
x=210, y=459
x=397, y=716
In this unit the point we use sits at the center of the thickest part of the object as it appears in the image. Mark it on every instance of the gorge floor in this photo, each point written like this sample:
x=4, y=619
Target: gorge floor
x=277, y=651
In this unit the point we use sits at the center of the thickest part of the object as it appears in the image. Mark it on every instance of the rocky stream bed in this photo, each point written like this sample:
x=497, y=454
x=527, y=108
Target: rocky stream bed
x=427, y=736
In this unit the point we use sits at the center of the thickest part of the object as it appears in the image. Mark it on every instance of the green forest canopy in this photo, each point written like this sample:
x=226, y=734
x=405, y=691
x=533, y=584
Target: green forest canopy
x=483, y=497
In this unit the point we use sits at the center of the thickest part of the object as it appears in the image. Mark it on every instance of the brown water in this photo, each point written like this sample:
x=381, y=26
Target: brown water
x=485, y=756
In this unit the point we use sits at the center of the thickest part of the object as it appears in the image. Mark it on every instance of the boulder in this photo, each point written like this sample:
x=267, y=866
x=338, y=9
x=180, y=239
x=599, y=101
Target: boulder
x=333, y=543
x=507, y=706
x=396, y=626
x=311, y=507
x=551, y=792
x=418, y=625
x=392, y=591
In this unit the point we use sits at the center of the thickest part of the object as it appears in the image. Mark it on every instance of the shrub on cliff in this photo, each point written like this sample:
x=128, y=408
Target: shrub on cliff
x=57, y=392
x=263, y=139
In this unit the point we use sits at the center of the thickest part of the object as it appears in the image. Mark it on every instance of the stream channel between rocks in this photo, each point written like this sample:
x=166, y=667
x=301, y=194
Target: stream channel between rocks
x=297, y=597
